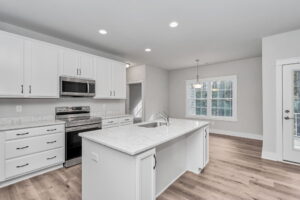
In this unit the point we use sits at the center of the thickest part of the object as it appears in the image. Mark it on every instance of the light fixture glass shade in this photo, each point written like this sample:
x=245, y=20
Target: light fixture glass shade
x=197, y=85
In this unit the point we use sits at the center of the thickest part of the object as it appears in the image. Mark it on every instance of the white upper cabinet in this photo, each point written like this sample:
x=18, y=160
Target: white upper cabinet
x=41, y=66
x=119, y=80
x=11, y=65
x=103, y=78
x=110, y=79
x=77, y=64
x=69, y=63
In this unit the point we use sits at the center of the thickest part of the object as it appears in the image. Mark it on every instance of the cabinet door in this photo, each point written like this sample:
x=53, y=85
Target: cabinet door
x=11, y=65
x=146, y=166
x=86, y=69
x=119, y=80
x=103, y=78
x=43, y=63
x=70, y=63
x=206, y=146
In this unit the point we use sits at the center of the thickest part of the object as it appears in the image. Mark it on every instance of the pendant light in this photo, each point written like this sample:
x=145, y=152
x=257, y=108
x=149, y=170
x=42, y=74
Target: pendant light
x=197, y=85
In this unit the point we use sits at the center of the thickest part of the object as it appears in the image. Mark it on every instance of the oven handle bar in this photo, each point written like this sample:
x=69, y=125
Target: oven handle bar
x=83, y=127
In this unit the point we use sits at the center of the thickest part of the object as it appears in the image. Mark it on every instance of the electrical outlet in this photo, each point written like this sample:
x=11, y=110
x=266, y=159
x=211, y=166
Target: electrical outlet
x=19, y=108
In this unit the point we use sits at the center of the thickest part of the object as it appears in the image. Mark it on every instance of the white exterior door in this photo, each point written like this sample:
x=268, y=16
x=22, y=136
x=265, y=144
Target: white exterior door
x=119, y=80
x=11, y=66
x=291, y=113
x=43, y=64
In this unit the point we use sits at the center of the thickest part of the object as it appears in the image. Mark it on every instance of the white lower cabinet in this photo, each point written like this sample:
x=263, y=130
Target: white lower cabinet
x=30, y=163
x=26, y=151
x=146, y=166
x=117, y=121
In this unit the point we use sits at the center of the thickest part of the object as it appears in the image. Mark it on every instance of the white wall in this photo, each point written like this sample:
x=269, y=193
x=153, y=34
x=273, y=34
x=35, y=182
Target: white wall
x=281, y=46
x=155, y=88
x=249, y=103
x=46, y=107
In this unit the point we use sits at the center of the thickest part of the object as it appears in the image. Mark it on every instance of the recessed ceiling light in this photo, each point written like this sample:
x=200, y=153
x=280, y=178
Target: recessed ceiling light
x=103, y=32
x=173, y=24
x=127, y=65
x=148, y=50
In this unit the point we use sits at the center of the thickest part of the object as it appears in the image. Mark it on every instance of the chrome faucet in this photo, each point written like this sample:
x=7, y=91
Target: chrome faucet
x=165, y=117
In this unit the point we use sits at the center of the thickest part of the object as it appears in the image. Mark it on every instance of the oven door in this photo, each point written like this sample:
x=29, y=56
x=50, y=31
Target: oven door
x=75, y=87
x=73, y=143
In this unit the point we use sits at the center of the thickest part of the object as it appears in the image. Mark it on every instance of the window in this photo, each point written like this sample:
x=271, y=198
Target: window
x=216, y=99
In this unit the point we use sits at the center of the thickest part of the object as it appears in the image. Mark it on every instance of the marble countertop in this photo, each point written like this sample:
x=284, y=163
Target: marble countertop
x=133, y=139
x=28, y=124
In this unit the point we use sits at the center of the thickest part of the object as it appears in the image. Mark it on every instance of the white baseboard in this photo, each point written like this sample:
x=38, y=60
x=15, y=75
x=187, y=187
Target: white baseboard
x=270, y=156
x=237, y=134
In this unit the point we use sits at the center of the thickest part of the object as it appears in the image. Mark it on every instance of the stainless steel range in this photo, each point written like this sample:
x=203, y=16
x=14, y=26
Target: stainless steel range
x=77, y=120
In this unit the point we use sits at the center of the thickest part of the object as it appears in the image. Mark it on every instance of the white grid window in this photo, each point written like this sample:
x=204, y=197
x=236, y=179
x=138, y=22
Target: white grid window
x=216, y=99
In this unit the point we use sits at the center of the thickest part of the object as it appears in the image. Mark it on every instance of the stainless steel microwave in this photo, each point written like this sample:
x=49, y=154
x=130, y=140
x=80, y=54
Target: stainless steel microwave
x=77, y=87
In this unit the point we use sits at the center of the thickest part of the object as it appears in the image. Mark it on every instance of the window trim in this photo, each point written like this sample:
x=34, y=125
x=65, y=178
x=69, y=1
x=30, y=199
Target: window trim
x=232, y=78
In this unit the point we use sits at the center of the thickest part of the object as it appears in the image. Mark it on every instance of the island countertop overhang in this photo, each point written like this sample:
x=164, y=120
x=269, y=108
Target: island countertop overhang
x=133, y=139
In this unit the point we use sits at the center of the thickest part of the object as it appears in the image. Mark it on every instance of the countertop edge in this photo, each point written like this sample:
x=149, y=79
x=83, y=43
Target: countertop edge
x=134, y=153
x=30, y=125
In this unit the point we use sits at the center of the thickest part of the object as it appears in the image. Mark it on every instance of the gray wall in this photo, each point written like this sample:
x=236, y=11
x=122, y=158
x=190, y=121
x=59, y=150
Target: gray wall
x=156, y=91
x=249, y=104
x=282, y=46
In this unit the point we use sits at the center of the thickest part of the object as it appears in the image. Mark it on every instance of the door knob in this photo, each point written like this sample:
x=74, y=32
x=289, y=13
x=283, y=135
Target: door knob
x=287, y=111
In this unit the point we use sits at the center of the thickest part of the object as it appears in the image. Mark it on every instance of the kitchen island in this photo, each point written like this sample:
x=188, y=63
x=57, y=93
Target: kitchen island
x=138, y=162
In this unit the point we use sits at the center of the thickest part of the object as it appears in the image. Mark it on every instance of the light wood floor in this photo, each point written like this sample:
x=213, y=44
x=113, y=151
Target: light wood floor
x=235, y=171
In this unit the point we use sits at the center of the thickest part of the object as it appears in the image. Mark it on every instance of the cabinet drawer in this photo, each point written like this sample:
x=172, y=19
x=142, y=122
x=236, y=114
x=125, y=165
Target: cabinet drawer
x=126, y=120
x=26, y=164
x=110, y=122
x=24, y=133
x=16, y=148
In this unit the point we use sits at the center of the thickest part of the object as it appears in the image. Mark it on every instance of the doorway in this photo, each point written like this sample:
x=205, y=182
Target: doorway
x=135, y=104
x=291, y=112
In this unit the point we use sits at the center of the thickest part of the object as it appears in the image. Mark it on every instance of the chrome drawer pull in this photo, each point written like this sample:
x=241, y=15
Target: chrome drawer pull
x=51, y=142
x=20, y=166
x=51, y=130
x=20, y=148
x=110, y=122
x=51, y=158
x=20, y=134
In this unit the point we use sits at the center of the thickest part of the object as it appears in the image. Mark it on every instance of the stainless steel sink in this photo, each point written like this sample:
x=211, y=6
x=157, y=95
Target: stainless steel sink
x=153, y=124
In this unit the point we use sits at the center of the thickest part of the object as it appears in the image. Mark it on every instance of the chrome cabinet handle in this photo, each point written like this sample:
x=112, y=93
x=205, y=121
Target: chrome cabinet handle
x=114, y=93
x=288, y=118
x=49, y=130
x=110, y=93
x=20, y=166
x=20, y=134
x=51, y=142
x=155, y=161
x=79, y=71
x=51, y=158
x=22, y=89
x=29, y=89
x=20, y=148
x=110, y=122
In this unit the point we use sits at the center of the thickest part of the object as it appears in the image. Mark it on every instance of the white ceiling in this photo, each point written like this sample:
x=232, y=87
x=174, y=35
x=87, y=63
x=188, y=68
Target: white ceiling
x=211, y=30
